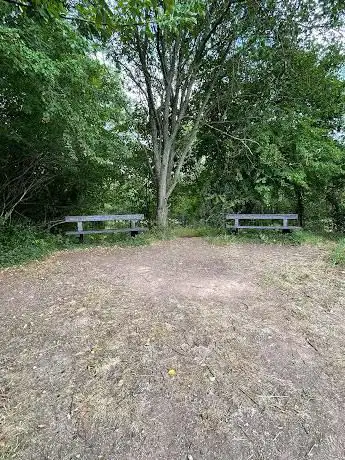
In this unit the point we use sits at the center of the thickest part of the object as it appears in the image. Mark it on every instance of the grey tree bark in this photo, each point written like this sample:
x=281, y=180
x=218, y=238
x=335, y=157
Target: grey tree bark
x=171, y=68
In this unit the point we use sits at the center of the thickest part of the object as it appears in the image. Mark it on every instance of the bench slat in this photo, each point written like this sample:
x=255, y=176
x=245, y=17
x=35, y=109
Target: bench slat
x=108, y=230
x=262, y=216
x=101, y=218
x=266, y=227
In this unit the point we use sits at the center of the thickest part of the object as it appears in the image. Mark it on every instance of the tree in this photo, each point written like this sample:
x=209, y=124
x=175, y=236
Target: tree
x=165, y=54
x=178, y=54
x=273, y=146
x=61, y=118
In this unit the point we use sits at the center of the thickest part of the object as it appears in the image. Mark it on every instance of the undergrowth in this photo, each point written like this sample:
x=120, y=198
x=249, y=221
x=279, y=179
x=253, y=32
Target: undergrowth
x=275, y=237
x=337, y=255
x=20, y=243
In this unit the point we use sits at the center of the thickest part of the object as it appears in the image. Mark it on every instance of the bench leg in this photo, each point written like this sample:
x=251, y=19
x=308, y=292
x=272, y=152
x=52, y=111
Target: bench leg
x=237, y=223
x=80, y=229
x=285, y=224
x=133, y=225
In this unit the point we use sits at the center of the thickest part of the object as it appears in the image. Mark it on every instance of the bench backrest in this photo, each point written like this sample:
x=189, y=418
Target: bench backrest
x=262, y=216
x=101, y=218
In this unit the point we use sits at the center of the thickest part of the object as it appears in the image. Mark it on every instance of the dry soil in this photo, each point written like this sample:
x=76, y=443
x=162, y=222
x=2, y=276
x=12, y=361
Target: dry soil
x=179, y=350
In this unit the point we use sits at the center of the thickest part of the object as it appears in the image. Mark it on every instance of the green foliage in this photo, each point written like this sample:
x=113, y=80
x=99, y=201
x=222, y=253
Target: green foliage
x=269, y=143
x=338, y=254
x=20, y=243
x=272, y=126
x=275, y=237
x=63, y=120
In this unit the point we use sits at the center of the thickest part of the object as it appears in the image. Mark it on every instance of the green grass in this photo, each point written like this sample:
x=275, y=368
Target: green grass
x=189, y=232
x=276, y=237
x=337, y=255
x=20, y=243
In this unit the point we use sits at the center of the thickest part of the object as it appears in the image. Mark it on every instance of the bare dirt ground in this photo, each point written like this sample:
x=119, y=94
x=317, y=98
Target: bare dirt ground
x=255, y=333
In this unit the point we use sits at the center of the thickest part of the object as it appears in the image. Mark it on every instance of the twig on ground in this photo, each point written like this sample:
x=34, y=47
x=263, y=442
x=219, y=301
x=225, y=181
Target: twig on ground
x=273, y=396
x=304, y=428
x=310, y=450
x=210, y=371
x=176, y=351
x=245, y=434
x=313, y=346
x=243, y=303
x=70, y=409
x=249, y=397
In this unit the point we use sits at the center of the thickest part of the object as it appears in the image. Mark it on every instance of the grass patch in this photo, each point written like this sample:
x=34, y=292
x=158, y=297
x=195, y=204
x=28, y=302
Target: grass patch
x=275, y=237
x=193, y=232
x=116, y=239
x=337, y=255
x=20, y=243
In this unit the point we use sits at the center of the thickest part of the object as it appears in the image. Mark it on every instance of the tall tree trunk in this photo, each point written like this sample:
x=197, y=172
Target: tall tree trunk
x=162, y=214
x=162, y=207
x=168, y=70
x=162, y=176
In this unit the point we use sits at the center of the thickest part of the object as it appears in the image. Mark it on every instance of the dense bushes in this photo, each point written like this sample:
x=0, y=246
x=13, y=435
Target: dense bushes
x=22, y=242
x=63, y=120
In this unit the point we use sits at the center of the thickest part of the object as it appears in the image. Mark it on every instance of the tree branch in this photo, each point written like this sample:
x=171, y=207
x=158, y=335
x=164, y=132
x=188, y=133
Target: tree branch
x=153, y=119
x=243, y=141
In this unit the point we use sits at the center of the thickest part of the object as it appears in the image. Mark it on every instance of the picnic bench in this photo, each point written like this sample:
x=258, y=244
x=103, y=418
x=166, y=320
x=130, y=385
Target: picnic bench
x=133, y=229
x=285, y=226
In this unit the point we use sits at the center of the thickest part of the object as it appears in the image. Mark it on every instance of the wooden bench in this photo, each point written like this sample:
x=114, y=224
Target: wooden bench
x=134, y=229
x=285, y=218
